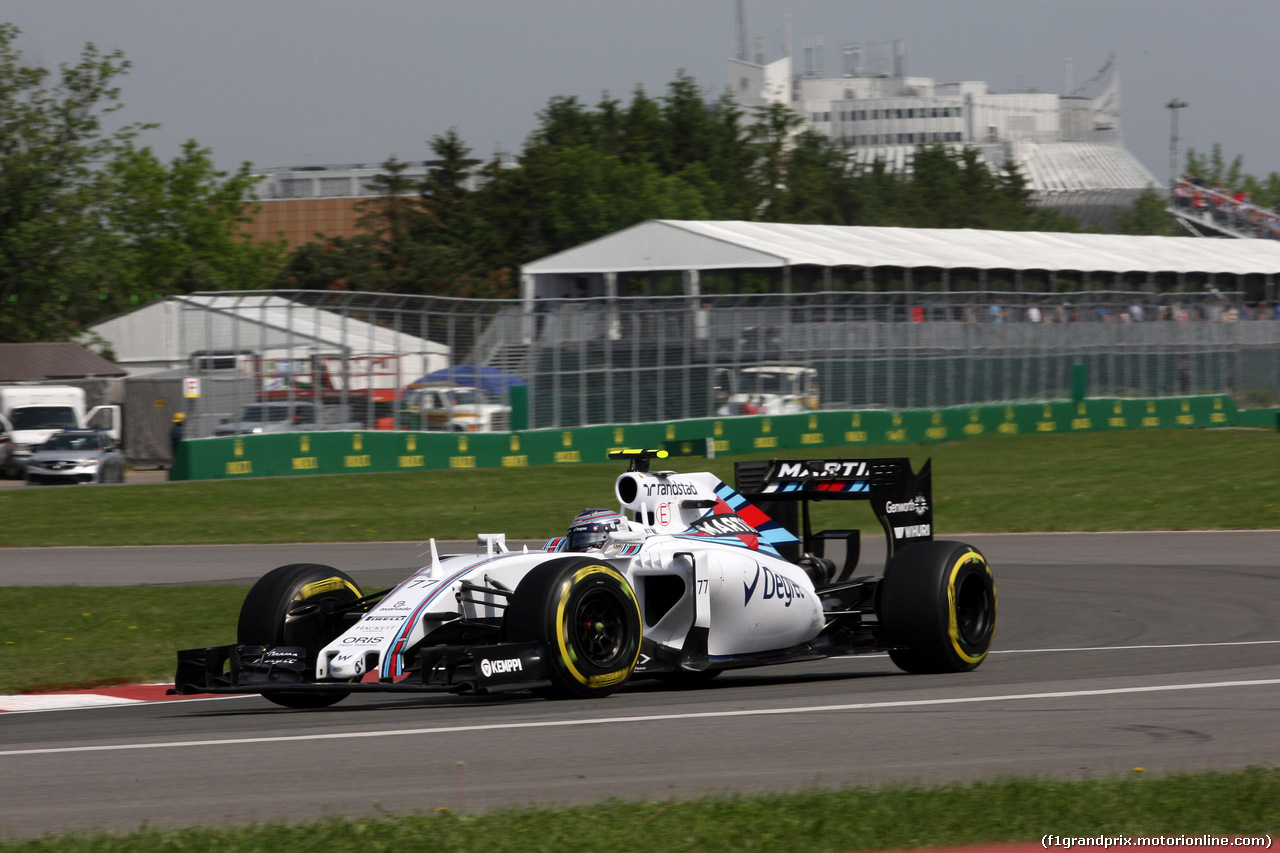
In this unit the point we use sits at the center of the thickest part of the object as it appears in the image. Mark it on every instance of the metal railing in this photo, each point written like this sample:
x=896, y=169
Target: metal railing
x=646, y=359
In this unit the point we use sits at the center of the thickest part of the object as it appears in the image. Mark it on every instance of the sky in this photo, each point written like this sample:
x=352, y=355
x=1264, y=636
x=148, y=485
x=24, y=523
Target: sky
x=327, y=82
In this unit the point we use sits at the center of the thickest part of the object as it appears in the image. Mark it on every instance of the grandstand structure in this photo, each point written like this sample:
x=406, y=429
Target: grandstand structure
x=1214, y=212
x=1069, y=146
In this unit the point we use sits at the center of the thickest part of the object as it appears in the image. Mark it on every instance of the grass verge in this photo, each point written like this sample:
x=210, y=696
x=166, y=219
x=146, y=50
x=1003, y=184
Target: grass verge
x=1173, y=479
x=55, y=638
x=887, y=818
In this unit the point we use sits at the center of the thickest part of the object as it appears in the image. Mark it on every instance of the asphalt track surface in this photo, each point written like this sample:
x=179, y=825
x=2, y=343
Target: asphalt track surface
x=1114, y=652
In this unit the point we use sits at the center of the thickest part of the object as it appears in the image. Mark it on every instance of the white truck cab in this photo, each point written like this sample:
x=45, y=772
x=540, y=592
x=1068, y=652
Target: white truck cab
x=455, y=408
x=30, y=414
x=770, y=390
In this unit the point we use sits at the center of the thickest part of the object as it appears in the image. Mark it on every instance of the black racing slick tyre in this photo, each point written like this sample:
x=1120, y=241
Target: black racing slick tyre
x=938, y=607
x=587, y=614
x=280, y=610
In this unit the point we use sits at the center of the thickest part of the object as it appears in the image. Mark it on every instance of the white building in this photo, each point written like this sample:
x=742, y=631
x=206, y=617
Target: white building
x=1068, y=146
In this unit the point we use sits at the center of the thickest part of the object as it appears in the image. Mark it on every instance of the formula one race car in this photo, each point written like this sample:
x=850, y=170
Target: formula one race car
x=690, y=578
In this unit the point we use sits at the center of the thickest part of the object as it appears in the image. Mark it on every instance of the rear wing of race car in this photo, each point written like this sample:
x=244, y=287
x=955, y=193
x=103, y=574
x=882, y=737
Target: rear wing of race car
x=901, y=499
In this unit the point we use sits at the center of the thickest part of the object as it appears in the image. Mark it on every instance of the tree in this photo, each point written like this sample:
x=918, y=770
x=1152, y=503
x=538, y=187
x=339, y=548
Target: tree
x=91, y=224
x=176, y=228
x=1147, y=215
x=50, y=193
x=1214, y=170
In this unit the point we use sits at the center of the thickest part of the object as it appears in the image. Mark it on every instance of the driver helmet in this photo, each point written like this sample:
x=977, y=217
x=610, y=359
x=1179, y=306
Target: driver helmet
x=591, y=527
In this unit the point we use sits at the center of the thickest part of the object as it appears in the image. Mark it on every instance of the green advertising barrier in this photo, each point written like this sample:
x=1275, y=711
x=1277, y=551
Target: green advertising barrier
x=305, y=453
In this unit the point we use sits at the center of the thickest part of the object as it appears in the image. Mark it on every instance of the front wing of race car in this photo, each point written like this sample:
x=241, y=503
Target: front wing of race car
x=439, y=669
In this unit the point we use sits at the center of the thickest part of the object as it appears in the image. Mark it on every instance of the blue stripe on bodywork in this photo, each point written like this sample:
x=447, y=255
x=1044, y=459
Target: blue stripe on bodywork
x=391, y=664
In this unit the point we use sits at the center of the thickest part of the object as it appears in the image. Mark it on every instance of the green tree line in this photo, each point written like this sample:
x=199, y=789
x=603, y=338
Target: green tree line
x=589, y=171
x=92, y=223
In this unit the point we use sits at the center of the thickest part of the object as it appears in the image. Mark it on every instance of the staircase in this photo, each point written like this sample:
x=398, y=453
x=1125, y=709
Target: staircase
x=512, y=357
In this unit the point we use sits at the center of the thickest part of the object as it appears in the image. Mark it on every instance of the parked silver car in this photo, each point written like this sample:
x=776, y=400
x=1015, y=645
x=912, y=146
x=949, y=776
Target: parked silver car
x=77, y=456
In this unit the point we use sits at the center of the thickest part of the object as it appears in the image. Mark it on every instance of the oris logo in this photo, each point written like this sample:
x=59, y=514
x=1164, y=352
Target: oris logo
x=497, y=667
x=919, y=506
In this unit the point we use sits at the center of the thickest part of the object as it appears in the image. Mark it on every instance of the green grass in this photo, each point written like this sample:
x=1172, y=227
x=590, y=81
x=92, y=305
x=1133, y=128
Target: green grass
x=1175, y=479
x=888, y=818
x=54, y=638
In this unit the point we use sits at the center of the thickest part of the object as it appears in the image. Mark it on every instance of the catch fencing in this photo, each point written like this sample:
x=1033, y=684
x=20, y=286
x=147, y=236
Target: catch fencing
x=663, y=358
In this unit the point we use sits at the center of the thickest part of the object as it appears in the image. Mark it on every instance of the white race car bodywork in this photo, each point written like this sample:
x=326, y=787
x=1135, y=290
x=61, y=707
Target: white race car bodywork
x=690, y=577
x=735, y=585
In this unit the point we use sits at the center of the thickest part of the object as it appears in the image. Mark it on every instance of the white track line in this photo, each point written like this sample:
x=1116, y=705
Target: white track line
x=847, y=658
x=604, y=721
x=1132, y=648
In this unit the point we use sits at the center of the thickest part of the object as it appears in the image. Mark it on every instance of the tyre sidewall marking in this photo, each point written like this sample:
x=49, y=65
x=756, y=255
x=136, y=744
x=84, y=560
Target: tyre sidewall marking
x=329, y=584
x=567, y=656
x=953, y=627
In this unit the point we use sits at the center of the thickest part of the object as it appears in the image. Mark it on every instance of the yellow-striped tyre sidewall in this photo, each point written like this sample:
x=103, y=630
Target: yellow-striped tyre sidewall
x=568, y=657
x=969, y=654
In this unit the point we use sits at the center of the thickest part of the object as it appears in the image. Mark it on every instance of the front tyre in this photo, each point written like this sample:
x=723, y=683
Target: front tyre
x=586, y=613
x=289, y=606
x=938, y=607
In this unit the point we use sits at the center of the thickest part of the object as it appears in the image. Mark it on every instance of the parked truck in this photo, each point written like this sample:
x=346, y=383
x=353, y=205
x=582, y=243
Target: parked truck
x=454, y=408
x=30, y=414
x=272, y=416
x=767, y=390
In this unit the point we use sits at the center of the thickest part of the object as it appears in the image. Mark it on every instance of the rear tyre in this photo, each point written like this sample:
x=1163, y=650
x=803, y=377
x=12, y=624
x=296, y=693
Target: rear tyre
x=938, y=607
x=586, y=613
x=280, y=610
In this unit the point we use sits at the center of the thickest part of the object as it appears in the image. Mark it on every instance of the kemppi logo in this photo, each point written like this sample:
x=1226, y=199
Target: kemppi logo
x=500, y=666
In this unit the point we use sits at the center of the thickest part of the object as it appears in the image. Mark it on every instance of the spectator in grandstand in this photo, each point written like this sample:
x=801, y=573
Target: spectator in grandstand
x=1240, y=210
x=998, y=313
x=1182, y=193
x=1218, y=199
x=1033, y=313
x=1135, y=311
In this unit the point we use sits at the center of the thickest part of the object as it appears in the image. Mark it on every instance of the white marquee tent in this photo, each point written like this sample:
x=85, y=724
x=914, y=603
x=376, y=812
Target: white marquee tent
x=699, y=246
x=164, y=334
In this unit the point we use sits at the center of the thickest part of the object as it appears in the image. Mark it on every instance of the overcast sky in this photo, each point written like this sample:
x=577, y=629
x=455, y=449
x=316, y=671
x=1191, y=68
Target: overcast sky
x=312, y=82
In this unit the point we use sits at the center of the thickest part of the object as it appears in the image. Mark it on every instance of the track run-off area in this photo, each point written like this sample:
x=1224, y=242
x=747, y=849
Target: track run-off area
x=1115, y=654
